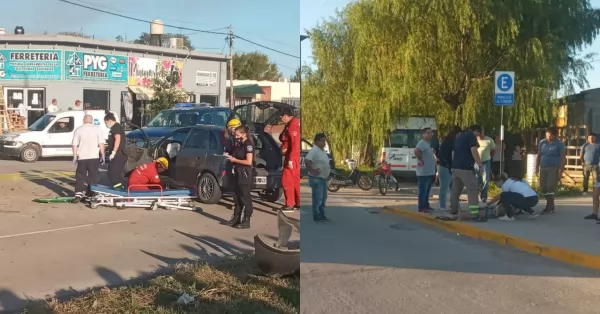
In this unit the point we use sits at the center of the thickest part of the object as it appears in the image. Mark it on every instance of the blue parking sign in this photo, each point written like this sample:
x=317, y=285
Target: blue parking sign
x=504, y=89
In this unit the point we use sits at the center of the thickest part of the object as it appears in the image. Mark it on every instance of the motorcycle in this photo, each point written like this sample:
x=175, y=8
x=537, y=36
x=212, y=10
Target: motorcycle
x=384, y=178
x=356, y=177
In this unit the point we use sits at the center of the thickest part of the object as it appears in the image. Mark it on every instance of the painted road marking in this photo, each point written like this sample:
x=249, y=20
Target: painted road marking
x=9, y=236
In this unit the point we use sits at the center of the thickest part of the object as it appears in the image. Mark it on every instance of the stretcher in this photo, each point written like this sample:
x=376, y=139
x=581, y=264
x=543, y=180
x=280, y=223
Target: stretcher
x=153, y=199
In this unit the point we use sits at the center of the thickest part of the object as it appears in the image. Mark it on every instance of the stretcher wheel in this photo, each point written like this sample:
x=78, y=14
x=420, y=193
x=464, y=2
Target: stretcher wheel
x=94, y=205
x=154, y=206
x=120, y=206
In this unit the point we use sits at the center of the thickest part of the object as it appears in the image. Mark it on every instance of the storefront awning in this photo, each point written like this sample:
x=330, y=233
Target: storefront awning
x=142, y=93
x=247, y=89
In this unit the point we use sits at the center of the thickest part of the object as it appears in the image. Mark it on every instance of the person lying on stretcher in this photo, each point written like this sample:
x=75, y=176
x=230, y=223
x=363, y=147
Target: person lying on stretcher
x=147, y=174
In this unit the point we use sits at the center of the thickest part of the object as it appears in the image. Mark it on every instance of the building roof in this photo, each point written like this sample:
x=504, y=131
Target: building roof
x=74, y=41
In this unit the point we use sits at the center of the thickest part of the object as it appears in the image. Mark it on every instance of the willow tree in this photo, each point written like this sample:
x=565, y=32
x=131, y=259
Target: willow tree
x=382, y=60
x=441, y=55
x=327, y=92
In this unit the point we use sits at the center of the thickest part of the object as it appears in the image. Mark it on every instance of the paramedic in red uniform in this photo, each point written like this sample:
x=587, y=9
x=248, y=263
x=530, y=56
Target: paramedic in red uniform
x=290, y=149
x=146, y=174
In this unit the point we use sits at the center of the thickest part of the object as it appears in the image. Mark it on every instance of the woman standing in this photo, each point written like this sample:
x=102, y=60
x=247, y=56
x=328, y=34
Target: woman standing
x=445, y=164
x=242, y=158
x=116, y=147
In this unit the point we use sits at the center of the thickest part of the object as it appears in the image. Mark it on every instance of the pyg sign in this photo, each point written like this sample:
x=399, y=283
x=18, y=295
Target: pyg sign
x=98, y=63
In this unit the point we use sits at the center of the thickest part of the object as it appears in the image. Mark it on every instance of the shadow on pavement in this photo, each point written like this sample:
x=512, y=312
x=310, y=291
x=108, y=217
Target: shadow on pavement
x=359, y=236
x=217, y=247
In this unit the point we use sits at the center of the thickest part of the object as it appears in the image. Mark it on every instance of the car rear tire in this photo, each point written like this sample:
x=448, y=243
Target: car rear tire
x=270, y=195
x=30, y=153
x=208, y=189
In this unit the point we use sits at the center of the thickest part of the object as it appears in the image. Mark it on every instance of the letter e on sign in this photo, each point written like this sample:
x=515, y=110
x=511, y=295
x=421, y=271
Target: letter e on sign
x=504, y=88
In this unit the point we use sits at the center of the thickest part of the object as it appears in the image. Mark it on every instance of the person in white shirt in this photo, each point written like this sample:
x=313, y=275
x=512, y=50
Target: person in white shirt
x=53, y=107
x=317, y=163
x=516, y=195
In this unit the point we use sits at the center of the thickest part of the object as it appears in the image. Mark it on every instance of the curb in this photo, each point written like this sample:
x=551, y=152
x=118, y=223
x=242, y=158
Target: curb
x=557, y=253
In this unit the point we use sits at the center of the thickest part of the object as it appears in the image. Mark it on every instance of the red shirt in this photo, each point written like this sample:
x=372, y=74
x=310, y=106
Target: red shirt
x=290, y=146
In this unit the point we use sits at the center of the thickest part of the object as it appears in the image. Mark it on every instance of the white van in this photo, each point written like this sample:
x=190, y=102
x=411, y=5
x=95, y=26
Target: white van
x=49, y=136
x=401, y=142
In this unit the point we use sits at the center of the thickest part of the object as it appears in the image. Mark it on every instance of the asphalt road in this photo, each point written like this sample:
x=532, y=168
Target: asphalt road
x=49, y=249
x=367, y=262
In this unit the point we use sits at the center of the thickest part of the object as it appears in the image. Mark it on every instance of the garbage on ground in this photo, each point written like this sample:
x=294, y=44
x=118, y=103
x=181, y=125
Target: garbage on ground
x=185, y=299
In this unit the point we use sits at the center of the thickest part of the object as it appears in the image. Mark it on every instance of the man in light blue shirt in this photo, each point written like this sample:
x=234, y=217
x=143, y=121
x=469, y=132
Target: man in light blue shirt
x=551, y=160
x=590, y=156
x=425, y=169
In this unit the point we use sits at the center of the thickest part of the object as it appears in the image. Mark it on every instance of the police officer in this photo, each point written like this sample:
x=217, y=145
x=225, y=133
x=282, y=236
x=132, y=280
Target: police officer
x=116, y=149
x=242, y=159
x=88, y=154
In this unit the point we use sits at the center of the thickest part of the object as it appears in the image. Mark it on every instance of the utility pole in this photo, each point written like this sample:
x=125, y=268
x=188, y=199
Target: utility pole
x=230, y=41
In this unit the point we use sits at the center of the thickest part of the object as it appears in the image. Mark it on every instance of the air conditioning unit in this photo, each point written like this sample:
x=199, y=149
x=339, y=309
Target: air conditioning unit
x=176, y=43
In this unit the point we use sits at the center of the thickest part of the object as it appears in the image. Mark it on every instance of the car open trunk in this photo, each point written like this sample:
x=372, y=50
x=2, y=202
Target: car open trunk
x=258, y=117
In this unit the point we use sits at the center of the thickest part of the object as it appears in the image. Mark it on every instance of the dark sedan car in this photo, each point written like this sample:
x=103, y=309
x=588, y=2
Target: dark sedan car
x=196, y=158
x=181, y=115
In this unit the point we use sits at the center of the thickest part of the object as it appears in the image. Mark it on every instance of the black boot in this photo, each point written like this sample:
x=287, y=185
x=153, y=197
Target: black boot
x=287, y=209
x=234, y=221
x=245, y=223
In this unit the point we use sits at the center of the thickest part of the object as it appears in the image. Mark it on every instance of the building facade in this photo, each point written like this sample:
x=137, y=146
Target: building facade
x=283, y=91
x=83, y=73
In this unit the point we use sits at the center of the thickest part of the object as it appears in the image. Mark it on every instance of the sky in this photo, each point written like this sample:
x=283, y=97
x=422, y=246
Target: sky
x=309, y=17
x=272, y=23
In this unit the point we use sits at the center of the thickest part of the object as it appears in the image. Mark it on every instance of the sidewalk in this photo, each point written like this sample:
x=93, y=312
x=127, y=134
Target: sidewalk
x=565, y=235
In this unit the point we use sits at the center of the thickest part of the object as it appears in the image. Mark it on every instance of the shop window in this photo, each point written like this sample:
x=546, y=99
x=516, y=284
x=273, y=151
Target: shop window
x=213, y=100
x=63, y=125
x=94, y=99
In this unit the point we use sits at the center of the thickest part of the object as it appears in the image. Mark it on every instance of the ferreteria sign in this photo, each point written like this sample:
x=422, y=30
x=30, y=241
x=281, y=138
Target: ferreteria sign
x=35, y=56
x=31, y=64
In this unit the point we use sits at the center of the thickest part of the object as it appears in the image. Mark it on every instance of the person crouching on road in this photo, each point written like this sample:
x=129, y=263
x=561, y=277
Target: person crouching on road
x=516, y=195
x=290, y=148
x=148, y=174
x=88, y=154
x=242, y=159
x=116, y=147
x=317, y=163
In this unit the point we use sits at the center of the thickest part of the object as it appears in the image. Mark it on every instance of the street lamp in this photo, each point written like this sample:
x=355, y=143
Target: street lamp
x=302, y=37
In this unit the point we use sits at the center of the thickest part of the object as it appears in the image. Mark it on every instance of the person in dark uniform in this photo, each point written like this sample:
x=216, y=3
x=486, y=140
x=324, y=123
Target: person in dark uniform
x=116, y=149
x=242, y=158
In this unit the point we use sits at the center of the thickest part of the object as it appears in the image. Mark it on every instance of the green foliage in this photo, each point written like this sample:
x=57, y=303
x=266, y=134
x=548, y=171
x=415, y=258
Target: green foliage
x=165, y=94
x=254, y=66
x=297, y=77
x=379, y=61
x=144, y=39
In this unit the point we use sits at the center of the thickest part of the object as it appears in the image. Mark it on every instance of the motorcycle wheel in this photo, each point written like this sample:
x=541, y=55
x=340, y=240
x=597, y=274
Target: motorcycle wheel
x=364, y=182
x=383, y=185
x=333, y=187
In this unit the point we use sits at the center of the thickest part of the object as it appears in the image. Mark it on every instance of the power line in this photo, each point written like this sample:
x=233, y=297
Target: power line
x=281, y=65
x=175, y=26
